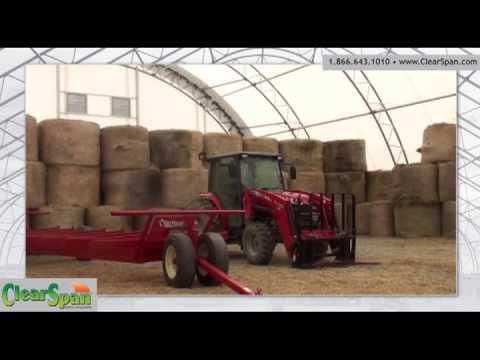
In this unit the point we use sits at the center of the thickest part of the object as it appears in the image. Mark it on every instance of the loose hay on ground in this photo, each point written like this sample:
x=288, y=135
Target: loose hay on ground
x=407, y=267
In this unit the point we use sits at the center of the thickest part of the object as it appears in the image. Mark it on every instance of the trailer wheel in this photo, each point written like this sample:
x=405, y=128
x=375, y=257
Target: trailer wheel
x=258, y=243
x=212, y=247
x=179, y=260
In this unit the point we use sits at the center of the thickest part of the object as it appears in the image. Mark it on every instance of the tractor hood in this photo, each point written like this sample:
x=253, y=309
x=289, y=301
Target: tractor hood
x=287, y=196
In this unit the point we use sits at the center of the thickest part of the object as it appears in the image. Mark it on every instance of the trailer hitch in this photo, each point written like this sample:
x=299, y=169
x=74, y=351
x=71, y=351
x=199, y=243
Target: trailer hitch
x=225, y=278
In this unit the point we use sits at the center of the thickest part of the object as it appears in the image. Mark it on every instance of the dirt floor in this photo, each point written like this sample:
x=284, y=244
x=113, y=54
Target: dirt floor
x=407, y=267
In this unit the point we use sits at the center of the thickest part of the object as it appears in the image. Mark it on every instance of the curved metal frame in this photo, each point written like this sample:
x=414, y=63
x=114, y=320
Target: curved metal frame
x=209, y=100
x=270, y=101
x=376, y=116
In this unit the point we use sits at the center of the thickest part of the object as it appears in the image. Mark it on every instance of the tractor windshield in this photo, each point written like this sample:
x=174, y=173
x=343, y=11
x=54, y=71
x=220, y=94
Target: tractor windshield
x=261, y=173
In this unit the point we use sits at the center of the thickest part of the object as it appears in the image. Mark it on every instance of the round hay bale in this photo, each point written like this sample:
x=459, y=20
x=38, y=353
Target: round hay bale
x=261, y=144
x=219, y=143
x=305, y=155
x=72, y=185
x=439, y=143
x=32, y=138
x=69, y=142
x=176, y=148
x=132, y=189
x=63, y=217
x=124, y=148
x=36, y=188
x=447, y=190
x=417, y=219
x=449, y=219
x=381, y=218
x=362, y=216
x=347, y=182
x=100, y=217
x=415, y=182
x=180, y=186
x=345, y=155
x=379, y=185
x=310, y=181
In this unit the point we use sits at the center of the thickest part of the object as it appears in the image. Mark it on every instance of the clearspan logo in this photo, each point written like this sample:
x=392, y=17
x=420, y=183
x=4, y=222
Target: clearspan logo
x=81, y=296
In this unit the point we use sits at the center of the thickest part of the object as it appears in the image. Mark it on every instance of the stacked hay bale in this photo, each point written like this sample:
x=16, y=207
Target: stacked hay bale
x=379, y=196
x=439, y=144
x=128, y=180
x=261, y=144
x=416, y=209
x=307, y=157
x=345, y=164
x=36, y=171
x=70, y=149
x=182, y=175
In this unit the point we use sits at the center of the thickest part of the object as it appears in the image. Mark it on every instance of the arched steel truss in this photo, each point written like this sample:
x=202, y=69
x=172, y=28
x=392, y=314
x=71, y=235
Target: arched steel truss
x=274, y=98
x=195, y=89
x=365, y=89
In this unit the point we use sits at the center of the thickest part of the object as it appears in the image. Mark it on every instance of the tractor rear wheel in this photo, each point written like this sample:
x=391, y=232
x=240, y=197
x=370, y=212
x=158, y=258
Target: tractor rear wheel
x=179, y=260
x=212, y=247
x=258, y=242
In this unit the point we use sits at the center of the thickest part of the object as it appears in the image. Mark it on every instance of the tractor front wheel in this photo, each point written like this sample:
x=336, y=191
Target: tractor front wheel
x=179, y=261
x=212, y=248
x=258, y=243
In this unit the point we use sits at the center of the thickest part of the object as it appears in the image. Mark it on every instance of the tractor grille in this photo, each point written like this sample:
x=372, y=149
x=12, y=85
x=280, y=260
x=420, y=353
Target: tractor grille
x=306, y=216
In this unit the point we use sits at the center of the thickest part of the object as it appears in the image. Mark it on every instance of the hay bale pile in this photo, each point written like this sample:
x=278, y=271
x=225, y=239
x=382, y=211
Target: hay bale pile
x=261, y=144
x=59, y=216
x=345, y=167
x=310, y=181
x=381, y=221
x=176, y=154
x=100, y=217
x=172, y=149
x=70, y=150
x=414, y=219
x=307, y=157
x=347, y=182
x=221, y=143
x=362, y=221
x=449, y=217
x=128, y=179
x=417, y=207
x=124, y=148
x=439, y=143
x=379, y=185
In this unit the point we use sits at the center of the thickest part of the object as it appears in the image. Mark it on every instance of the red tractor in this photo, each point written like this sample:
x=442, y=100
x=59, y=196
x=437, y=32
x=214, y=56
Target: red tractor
x=310, y=225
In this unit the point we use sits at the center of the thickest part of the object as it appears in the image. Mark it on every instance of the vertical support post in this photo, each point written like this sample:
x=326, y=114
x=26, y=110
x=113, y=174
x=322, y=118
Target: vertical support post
x=354, y=230
x=57, y=88
x=204, y=121
x=137, y=99
x=343, y=211
x=334, y=218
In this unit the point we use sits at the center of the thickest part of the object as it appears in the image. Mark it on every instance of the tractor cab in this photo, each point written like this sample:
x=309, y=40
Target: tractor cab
x=231, y=173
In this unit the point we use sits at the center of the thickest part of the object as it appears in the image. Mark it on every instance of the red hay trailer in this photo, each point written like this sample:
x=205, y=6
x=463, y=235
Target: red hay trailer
x=169, y=235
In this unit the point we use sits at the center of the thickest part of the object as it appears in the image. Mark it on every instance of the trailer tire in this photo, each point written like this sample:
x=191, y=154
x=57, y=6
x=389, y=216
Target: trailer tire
x=213, y=248
x=178, y=260
x=258, y=243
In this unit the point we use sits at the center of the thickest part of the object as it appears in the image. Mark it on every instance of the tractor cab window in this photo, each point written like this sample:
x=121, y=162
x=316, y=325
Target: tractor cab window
x=261, y=173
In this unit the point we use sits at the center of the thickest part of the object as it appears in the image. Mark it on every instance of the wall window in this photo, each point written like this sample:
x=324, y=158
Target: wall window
x=120, y=107
x=76, y=103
